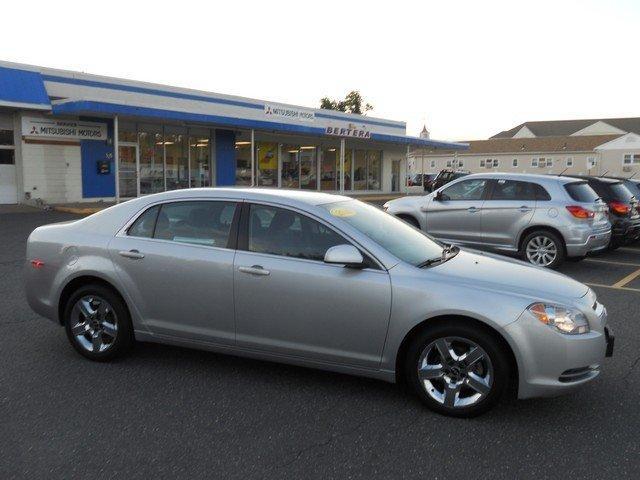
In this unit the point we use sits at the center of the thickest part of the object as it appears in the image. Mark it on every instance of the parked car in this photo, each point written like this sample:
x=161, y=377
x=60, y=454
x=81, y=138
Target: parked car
x=623, y=208
x=443, y=177
x=308, y=278
x=544, y=219
x=417, y=179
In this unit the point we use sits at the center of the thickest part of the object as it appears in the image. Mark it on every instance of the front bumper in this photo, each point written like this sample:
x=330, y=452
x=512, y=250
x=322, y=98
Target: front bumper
x=551, y=363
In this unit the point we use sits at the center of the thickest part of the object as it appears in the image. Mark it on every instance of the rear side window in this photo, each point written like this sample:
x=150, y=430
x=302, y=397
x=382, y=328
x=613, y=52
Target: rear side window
x=199, y=222
x=514, y=190
x=144, y=225
x=581, y=192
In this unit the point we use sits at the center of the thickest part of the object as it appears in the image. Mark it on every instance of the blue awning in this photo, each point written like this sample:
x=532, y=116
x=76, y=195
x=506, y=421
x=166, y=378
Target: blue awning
x=23, y=89
x=95, y=108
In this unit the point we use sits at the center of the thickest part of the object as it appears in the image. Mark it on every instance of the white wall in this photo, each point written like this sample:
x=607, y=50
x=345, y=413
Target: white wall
x=52, y=172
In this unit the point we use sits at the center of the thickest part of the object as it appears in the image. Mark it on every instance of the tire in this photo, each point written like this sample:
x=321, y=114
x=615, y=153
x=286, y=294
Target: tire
x=98, y=323
x=410, y=220
x=454, y=390
x=547, y=245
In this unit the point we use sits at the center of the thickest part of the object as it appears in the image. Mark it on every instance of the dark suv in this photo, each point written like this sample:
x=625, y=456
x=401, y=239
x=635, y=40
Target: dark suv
x=445, y=176
x=624, y=213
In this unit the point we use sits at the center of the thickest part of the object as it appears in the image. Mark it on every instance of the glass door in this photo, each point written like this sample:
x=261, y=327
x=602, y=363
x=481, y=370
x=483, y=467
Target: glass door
x=395, y=176
x=128, y=170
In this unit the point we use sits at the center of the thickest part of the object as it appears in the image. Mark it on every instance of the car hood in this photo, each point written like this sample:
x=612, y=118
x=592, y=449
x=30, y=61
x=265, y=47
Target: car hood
x=502, y=274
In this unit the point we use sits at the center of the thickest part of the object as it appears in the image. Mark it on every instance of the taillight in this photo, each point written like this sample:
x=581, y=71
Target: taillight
x=619, y=208
x=36, y=263
x=580, y=212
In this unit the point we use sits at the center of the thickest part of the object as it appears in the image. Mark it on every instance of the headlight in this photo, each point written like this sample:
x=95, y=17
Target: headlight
x=564, y=319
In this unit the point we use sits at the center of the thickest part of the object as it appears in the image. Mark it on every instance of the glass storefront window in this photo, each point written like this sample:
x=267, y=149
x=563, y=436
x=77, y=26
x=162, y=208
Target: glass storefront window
x=308, y=168
x=177, y=160
x=151, y=155
x=290, y=166
x=348, y=155
x=360, y=170
x=374, y=170
x=199, y=154
x=243, y=163
x=267, y=161
x=329, y=165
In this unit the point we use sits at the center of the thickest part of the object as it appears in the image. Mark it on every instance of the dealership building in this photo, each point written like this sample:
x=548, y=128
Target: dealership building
x=72, y=137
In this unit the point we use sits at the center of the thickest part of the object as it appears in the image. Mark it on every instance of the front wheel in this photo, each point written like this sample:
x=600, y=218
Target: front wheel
x=543, y=249
x=457, y=370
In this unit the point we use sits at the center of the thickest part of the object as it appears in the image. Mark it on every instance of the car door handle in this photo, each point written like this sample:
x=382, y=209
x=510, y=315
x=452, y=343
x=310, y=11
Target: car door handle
x=254, y=270
x=135, y=254
x=473, y=210
x=524, y=208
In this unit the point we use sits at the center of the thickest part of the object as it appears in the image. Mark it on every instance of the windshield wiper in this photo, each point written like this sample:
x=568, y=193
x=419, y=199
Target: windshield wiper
x=448, y=252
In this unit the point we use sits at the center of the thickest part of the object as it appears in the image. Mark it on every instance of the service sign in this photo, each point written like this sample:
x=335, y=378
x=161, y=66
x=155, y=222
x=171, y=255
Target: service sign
x=37, y=127
x=351, y=131
x=272, y=110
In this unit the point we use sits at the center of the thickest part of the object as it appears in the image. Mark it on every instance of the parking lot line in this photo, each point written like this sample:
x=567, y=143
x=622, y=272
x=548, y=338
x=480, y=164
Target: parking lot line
x=627, y=279
x=628, y=289
x=612, y=262
x=629, y=249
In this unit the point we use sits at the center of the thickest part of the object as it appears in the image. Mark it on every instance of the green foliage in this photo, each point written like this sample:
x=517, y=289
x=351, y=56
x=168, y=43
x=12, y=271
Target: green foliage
x=352, y=103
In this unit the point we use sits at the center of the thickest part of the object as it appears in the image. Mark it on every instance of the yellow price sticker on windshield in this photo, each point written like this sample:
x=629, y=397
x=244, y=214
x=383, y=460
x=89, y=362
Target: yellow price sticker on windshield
x=342, y=212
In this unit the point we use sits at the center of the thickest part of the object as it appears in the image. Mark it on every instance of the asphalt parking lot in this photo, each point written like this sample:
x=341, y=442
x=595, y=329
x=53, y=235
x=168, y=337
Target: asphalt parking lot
x=165, y=412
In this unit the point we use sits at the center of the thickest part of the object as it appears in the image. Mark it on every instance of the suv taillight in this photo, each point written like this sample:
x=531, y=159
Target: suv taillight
x=580, y=212
x=619, y=208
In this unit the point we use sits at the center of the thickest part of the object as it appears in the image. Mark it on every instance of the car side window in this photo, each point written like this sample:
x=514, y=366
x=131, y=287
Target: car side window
x=144, y=225
x=279, y=231
x=196, y=222
x=471, y=189
x=513, y=190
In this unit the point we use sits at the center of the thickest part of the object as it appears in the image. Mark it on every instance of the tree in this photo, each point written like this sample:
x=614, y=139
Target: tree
x=352, y=103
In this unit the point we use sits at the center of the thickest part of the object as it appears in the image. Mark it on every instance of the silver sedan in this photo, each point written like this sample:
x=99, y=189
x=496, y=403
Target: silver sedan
x=320, y=281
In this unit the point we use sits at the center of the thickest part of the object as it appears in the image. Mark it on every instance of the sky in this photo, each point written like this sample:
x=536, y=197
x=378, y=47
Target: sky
x=468, y=69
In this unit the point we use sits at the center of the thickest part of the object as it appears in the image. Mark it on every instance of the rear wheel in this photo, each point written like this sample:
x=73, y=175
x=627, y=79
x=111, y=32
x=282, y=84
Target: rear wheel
x=543, y=249
x=97, y=323
x=458, y=370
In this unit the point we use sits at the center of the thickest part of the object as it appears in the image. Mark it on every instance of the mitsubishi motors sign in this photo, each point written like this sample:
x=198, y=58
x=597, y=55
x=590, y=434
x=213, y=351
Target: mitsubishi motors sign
x=38, y=127
x=274, y=110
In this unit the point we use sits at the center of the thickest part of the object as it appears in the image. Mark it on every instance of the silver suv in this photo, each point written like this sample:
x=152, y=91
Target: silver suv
x=544, y=219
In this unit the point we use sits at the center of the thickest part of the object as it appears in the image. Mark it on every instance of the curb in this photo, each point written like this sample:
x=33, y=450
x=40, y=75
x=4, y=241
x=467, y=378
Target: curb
x=79, y=211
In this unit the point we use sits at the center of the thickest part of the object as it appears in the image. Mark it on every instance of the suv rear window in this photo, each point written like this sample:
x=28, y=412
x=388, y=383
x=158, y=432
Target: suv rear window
x=581, y=192
x=620, y=192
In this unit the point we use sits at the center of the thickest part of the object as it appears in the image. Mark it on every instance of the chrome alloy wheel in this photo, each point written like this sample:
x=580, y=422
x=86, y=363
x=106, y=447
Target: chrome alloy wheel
x=541, y=250
x=455, y=372
x=94, y=323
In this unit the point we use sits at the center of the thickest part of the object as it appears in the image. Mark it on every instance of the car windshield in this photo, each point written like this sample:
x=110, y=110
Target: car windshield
x=633, y=188
x=620, y=192
x=394, y=235
x=581, y=192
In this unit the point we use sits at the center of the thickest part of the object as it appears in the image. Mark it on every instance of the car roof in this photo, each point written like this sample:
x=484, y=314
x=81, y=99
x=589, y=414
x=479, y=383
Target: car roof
x=257, y=194
x=521, y=176
x=609, y=180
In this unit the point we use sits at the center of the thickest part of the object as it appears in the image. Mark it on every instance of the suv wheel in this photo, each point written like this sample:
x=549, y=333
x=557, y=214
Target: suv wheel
x=457, y=370
x=543, y=249
x=97, y=323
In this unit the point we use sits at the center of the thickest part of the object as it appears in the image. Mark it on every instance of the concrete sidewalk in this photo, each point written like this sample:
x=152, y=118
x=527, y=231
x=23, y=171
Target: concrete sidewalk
x=89, y=208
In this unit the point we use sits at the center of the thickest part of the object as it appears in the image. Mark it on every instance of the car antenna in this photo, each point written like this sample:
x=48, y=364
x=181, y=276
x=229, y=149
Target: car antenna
x=560, y=174
x=604, y=174
x=634, y=174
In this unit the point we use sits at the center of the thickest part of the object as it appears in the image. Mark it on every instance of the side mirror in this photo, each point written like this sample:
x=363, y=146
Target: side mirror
x=438, y=196
x=346, y=255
